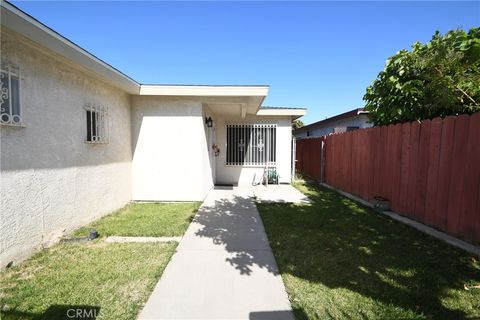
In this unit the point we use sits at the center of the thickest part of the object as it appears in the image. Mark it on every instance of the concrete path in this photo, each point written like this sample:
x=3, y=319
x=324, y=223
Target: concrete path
x=284, y=193
x=223, y=268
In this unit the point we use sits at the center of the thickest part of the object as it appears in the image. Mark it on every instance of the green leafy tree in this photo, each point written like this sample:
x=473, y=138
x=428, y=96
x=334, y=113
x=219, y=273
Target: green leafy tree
x=297, y=124
x=435, y=79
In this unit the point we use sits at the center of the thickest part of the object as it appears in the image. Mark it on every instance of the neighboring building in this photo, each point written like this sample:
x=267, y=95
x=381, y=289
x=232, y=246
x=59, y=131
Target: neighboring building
x=351, y=120
x=80, y=139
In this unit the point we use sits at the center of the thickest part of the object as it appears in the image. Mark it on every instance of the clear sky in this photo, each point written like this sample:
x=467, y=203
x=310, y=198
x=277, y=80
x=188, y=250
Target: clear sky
x=319, y=55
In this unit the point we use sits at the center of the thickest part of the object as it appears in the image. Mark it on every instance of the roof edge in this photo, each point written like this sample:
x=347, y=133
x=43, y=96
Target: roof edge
x=19, y=21
x=348, y=114
x=204, y=90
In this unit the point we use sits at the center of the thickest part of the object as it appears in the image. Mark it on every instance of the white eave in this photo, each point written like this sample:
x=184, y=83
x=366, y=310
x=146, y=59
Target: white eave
x=18, y=21
x=295, y=113
x=206, y=90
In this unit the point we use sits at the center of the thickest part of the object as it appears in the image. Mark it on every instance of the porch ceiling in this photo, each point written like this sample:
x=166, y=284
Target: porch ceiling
x=233, y=106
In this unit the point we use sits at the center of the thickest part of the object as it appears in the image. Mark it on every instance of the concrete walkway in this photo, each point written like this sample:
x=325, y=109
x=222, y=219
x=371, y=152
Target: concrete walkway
x=223, y=268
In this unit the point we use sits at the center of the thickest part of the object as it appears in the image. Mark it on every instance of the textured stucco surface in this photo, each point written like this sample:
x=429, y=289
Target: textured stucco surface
x=51, y=180
x=248, y=175
x=170, y=152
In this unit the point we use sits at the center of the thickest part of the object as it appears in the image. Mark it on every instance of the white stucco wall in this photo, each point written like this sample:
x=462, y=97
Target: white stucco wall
x=209, y=169
x=51, y=180
x=170, y=152
x=246, y=175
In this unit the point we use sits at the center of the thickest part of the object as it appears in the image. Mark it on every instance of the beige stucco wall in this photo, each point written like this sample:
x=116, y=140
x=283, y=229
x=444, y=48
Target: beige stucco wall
x=170, y=152
x=243, y=175
x=51, y=180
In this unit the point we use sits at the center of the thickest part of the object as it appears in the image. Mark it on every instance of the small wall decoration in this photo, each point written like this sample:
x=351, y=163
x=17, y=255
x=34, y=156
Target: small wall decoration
x=216, y=150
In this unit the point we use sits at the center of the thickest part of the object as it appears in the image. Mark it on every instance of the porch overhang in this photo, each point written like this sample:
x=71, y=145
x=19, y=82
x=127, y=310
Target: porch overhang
x=295, y=113
x=236, y=100
x=205, y=90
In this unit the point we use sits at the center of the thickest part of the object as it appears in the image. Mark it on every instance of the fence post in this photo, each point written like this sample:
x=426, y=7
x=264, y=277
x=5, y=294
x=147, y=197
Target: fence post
x=322, y=160
x=294, y=157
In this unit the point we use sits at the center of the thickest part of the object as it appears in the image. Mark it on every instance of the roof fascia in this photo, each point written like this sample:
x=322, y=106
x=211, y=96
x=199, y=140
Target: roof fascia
x=18, y=21
x=206, y=90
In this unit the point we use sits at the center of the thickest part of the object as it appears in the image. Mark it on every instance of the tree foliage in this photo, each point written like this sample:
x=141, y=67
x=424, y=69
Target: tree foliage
x=297, y=124
x=435, y=79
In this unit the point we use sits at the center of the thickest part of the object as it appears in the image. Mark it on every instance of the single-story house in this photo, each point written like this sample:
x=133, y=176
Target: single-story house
x=80, y=139
x=350, y=120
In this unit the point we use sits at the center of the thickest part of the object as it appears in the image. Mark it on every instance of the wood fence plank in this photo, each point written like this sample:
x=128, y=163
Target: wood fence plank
x=354, y=147
x=421, y=179
x=329, y=162
x=444, y=172
x=338, y=164
x=326, y=154
x=404, y=170
x=412, y=169
x=432, y=172
x=385, y=174
x=347, y=182
x=458, y=174
x=335, y=164
x=476, y=237
x=342, y=162
x=377, y=173
x=337, y=161
x=298, y=157
x=318, y=162
x=349, y=164
x=368, y=161
x=357, y=155
x=396, y=165
x=468, y=214
x=363, y=172
x=389, y=155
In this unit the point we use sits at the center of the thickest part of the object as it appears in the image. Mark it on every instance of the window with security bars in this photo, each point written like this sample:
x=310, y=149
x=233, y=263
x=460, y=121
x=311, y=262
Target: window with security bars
x=97, y=125
x=10, y=95
x=251, y=144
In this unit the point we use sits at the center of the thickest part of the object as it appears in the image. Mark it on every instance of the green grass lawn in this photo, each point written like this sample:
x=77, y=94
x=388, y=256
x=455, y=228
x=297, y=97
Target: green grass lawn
x=111, y=279
x=340, y=260
x=145, y=219
x=114, y=279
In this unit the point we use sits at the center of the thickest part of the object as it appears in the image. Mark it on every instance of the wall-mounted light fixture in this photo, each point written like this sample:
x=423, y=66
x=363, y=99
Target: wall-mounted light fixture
x=209, y=122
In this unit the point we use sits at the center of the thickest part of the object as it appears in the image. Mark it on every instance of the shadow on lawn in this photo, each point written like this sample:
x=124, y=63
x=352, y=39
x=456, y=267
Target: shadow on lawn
x=341, y=244
x=57, y=312
x=276, y=315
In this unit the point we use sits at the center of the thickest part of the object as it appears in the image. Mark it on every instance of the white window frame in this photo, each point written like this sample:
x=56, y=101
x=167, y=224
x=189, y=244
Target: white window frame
x=98, y=131
x=251, y=156
x=10, y=72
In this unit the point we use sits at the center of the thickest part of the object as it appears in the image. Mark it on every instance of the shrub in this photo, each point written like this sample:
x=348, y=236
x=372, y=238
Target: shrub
x=435, y=79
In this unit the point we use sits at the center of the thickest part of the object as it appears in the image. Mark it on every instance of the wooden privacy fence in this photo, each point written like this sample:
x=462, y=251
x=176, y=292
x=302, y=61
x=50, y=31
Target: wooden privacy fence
x=308, y=154
x=430, y=171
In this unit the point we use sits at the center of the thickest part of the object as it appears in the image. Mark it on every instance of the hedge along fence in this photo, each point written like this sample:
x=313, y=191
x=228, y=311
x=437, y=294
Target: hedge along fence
x=430, y=171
